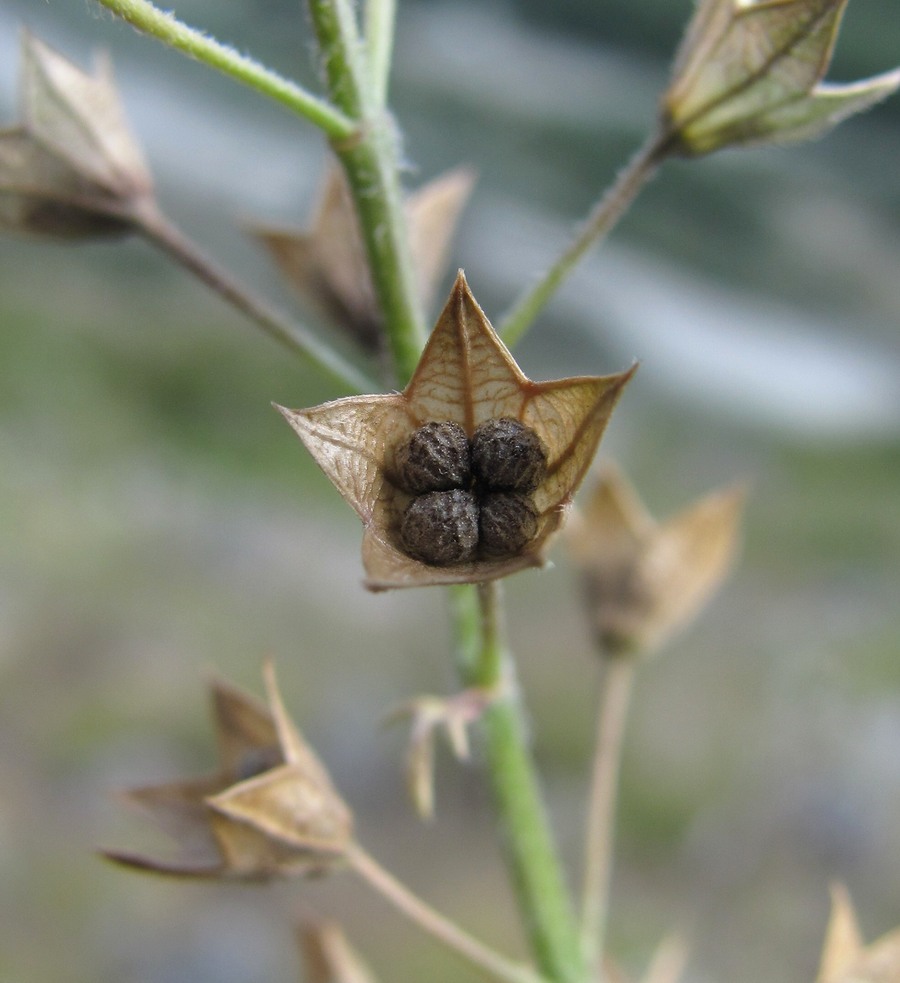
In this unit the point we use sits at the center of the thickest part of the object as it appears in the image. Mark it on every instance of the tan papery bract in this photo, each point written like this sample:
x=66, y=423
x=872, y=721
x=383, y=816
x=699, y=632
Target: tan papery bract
x=644, y=580
x=270, y=810
x=326, y=264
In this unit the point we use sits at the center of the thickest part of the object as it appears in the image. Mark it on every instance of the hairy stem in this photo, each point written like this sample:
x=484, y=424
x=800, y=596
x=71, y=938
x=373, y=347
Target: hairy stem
x=371, y=162
x=600, y=832
x=165, y=27
x=611, y=207
x=277, y=325
x=484, y=661
x=436, y=924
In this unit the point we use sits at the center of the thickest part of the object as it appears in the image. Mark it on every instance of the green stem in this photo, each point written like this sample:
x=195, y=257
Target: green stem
x=599, y=222
x=600, y=832
x=164, y=26
x=379, y=25
x=484, y=661
x=371, y=162
x=277, y=325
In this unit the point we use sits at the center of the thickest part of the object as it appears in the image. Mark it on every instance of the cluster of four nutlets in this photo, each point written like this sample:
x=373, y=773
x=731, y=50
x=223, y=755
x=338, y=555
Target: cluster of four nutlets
x=473, y=497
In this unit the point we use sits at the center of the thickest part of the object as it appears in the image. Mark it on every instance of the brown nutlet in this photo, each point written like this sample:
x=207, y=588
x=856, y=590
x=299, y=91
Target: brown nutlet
x=507, y=523
x=508, y=456
x=435, y=457
x=441, y=527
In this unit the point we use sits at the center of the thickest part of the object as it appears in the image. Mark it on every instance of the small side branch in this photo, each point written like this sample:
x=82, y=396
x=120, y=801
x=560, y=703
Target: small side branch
x=277, y=325
x=436, y=924
x=600, y=833
x=166, y=28
x=611, y=207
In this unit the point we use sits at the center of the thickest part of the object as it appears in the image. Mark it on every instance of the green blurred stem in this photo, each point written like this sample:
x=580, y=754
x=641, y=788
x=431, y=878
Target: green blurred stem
x=484, y=662
x=277, y=325
x=165, y=27
x=619, y=673
x=371, y=161
x=611, y=207
x=434, y=923
x=379, y=29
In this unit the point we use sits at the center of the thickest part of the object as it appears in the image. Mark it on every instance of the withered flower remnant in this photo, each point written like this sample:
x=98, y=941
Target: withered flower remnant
x=750, y=71
x=70, y=168
x=326, y=264
x=270, y=810
x=465, y=377
x=644, y=580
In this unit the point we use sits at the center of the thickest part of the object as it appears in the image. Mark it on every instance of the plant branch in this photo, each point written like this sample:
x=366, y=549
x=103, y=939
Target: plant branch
x=618, y=683
x=611, y=207
x=165, y=27
x=379, y=34
x=277, y=325
x=436, y=924
x=371, y=162
x=484, y=661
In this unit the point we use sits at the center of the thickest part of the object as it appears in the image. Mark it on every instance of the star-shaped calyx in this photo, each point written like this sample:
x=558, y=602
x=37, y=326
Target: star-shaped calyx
x=465, y=475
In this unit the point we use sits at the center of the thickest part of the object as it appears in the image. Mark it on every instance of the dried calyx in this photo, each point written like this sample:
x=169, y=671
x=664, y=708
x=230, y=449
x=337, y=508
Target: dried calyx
x=471, y=497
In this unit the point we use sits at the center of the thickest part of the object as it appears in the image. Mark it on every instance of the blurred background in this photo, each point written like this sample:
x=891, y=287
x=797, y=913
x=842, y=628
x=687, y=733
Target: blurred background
x=159, y=522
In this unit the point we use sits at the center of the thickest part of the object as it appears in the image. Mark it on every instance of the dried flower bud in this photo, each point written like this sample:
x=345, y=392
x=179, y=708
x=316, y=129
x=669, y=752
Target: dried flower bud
x=441, y=527
x=507, y=522
x=508, y=456
x=434, y=458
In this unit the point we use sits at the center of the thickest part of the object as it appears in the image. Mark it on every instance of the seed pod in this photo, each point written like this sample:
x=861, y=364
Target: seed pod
x=434, y=458
x=441, y=527
x=508, y=456
x=507, y=523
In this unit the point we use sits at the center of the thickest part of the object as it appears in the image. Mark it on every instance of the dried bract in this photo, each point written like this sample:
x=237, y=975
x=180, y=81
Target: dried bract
x=465, y=377
x=71, y=168
x=643, y=580
x=430, y=714
x=270, y=809
x=327, y=266
x=750, y=71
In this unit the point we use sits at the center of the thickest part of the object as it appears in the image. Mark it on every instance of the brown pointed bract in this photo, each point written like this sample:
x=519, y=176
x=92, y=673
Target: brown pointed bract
x=644, y=580
x=70, y=168
x=750, y=71
x=465, y=376
x=327, y=266
x=270, y=809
